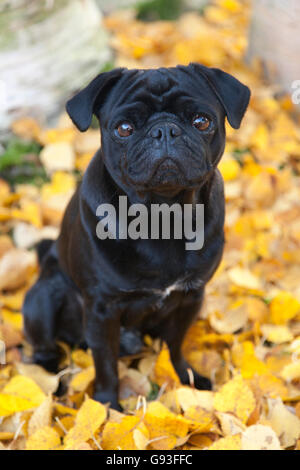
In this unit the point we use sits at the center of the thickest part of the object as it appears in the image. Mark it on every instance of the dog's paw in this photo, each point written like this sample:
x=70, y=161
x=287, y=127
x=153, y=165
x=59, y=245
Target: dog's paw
x=192, y=378
x=48, y=360
x=200, y=382
x=105, y=397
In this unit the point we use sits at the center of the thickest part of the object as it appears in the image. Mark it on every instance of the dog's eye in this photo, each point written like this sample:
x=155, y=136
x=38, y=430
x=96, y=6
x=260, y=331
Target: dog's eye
x=201, y=122
x=125, y=129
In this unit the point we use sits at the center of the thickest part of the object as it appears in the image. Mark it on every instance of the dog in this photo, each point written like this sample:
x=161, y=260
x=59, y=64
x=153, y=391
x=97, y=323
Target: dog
x=162, y=136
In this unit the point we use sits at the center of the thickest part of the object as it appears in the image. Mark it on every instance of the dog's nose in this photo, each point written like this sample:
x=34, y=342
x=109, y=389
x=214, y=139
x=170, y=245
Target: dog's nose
x=162, y=131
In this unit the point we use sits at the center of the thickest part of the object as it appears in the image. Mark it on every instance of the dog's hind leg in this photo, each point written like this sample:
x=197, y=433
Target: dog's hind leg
x=41, y=307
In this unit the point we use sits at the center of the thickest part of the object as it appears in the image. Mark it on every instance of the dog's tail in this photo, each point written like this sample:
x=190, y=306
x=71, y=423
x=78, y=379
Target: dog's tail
x=43, y=247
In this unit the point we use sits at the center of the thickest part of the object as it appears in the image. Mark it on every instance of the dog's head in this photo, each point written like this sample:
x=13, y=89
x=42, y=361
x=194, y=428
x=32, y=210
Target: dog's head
x=162, y=130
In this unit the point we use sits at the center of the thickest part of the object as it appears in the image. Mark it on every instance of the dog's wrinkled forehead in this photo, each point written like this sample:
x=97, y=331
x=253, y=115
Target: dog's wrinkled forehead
x=161, y=88
x=159, y=82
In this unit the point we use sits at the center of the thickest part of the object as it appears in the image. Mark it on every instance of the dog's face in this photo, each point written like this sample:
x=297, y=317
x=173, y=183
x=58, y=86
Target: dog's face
x=162, y=130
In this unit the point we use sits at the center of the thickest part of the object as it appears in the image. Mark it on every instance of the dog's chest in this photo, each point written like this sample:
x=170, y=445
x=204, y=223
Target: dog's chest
x=149, y=306
x=179, y=285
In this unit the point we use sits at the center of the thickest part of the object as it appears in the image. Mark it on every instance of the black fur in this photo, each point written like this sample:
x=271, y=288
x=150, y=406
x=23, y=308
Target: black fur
x=90, y=289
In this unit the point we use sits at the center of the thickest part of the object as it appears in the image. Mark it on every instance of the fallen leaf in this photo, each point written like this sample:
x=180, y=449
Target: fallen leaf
x=164, y=372
x=283, y=308
x=58, y=156
x=230, y=424
x=15, y=267
x=20, y=394
x=259, y=437
x=235, y=397
x=227, y=443
x=285, y=424
x=88, y=419
x=188, y=397
x=45, y=438
x=41, y=416
x=46, y=381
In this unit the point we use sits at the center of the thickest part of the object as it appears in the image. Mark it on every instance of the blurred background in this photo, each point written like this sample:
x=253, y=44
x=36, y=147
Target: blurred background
x=50, y=48
x=249, y=326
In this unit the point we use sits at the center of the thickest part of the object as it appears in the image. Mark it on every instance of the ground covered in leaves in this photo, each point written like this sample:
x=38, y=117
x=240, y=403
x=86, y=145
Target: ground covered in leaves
x=247, y=339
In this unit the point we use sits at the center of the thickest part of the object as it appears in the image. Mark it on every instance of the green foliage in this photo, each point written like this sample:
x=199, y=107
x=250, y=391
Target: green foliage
x=153, y=392
x=152, y=10
x=19, y=163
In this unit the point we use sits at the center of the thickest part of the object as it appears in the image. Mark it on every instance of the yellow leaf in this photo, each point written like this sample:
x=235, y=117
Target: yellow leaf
x=52, y=136
x=260, y=138
x=243, y=357
x=41, y=417
x=206, y=362
x=277, y=333
x=119, y=435
x=30, y=212
x=141, y=437
x=62, y=409
x=229, y=321
x=227, y=443
x=47, y=381
x=61, y=182
x=230, y=424
x=13, y=301
x=14, y=319
x=283, y=308
x=26, y=127
x=82, y=358
x=235, y=397
x=188, y=397
x=200, y=420
x=58, y=156
x=230, y=169
x=164, y=372
x=231, y=5
x=285, y=424
x=259, y=437
x=6, y=436
x=291, y=371
x=201, y=440
x=164, y=426
x=15, y=268
x=45, y=438
x=88, y=419
x=244, y=278
x=82, y=380
x=20, y=394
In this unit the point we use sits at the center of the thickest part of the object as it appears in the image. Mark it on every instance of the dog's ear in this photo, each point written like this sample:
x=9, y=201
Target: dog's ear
x=233, y=95
x=81, y=107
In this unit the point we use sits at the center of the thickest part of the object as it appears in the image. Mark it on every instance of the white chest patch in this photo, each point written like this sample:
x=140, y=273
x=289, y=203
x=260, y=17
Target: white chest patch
x=181, y=285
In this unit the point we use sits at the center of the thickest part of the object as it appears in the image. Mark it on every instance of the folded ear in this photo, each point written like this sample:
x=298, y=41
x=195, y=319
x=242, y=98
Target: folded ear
x=233, y=95
x=81, y=107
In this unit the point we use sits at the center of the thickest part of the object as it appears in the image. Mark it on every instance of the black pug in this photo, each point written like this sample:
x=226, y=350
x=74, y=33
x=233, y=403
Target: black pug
x=162, y=134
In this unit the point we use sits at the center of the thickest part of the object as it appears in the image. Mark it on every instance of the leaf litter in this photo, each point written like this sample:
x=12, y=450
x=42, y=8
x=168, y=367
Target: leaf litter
x=247, y=337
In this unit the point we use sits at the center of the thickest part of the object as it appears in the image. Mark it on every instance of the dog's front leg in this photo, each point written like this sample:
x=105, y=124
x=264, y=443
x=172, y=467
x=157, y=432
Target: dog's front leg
x=173, y=331
x=103, y=337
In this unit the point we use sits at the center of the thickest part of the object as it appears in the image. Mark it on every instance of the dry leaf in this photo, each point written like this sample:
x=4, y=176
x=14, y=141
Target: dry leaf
x=285, y=424
x=15, y=268
x=88, y=419
x=259, y=437
x=227, y=443
x=164, y=372
x=41, y=417
x=45, y=438
x=235, y=397
x=58, y=156
x=20, y=394
x=48, y=382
